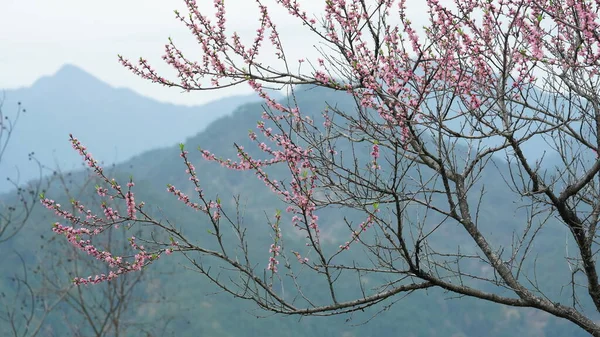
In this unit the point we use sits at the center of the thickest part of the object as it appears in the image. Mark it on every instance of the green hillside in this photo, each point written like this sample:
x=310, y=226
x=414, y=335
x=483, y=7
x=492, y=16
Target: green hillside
x=184, y=303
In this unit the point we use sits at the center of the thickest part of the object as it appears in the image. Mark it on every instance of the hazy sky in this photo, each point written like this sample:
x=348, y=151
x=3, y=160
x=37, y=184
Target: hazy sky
x=37, y=37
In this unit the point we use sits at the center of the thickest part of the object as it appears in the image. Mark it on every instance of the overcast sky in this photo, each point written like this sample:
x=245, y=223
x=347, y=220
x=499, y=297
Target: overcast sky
x=38, y=36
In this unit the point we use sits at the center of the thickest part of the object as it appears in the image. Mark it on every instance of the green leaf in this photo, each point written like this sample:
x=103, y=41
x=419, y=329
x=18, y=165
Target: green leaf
x=181, y=146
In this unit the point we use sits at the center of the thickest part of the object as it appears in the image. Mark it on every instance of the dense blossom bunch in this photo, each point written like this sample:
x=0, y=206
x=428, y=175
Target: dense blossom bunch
x=91, y=227
x=87, y=224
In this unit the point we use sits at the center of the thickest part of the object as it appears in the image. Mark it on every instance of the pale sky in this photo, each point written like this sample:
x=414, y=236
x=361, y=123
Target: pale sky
x=38, y=36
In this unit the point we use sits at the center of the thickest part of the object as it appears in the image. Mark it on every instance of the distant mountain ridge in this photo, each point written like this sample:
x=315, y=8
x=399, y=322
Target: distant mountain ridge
x=420, y=314
x=115, y=123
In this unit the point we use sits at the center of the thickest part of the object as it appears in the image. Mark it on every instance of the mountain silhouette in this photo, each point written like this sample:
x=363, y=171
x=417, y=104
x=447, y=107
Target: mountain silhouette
x=434, y=313
x=114, y=123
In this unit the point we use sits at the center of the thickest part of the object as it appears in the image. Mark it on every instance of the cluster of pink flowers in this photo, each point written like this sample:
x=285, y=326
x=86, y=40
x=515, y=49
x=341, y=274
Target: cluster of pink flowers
x=110, y=213
x=297, y=159
x=273, y=262
x=301, y=260
x=140, y=260
x=101, y=191
x=275, y=248
x=130, y=201
x=362, y=227
x=120, y=266
x=375, y=155
x=182, y=197
x=87, y=157
x=212, y=208
x=92, y=224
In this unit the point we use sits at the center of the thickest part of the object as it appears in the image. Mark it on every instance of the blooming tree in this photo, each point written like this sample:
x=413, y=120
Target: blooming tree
x=32, y=295
x=435, y=107
x=112, y=309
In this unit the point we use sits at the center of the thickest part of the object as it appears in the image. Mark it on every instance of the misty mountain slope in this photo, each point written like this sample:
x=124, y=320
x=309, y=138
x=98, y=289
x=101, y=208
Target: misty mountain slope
x=116, y=123
x=163, y=166
x=431, y=313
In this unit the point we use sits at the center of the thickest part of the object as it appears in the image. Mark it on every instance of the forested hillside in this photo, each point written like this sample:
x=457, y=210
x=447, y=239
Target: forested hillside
x=74, y=101
x=173, y=299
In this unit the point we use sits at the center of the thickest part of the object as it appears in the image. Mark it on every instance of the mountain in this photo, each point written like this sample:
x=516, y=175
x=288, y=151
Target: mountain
x=192, y=312
x=116, y=123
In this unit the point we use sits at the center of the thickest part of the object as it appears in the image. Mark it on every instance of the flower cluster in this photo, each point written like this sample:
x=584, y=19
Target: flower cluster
x=375, y=155
x=275, y=248
x=85, y=225
x=362, y=227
